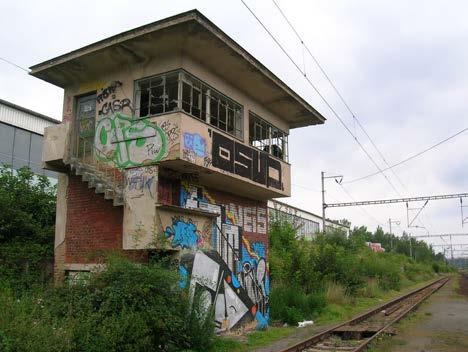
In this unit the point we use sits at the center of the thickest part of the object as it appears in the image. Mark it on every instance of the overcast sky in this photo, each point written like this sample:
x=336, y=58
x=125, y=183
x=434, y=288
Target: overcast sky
x=401, y=66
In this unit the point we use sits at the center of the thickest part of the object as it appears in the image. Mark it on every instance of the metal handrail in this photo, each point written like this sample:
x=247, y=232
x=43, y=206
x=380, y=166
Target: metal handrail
x=83, y=145
x=237, y=257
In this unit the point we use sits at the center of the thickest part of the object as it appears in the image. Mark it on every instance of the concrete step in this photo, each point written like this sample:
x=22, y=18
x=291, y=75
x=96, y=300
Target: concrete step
x=118, y=201
x=100, y=188
x=109, y=194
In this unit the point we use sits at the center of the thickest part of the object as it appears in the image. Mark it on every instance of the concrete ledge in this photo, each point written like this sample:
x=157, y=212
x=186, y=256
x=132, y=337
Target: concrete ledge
x=56, y=143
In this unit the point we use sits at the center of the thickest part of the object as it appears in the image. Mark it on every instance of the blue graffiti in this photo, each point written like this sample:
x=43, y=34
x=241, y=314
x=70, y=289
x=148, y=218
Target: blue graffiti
x=184, y=277
x=185, y=233
x=259, y=249
x=235, y=282
x=262, y=321
x=183, y=196
x=196, y=143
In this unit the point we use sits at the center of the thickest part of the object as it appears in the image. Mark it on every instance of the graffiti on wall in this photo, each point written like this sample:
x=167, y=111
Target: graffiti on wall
x=186, y=233
x=251, y=163
x=251, y=218
x=195, y=143
x=127, y=142
x=183, y=234
x=254, y=276
x=210, y=278
x=109, y=103
x=171, y=129
x=140, y=182
x=244, y=278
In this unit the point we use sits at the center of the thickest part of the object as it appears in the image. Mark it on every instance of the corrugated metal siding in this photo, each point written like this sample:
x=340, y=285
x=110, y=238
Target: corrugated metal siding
x=23, y=120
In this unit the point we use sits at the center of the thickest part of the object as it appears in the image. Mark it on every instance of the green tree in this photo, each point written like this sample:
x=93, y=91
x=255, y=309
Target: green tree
x=27, y=218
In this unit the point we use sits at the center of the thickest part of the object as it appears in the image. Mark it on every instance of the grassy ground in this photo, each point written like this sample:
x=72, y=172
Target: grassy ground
x=332, y=314
x=254, y=340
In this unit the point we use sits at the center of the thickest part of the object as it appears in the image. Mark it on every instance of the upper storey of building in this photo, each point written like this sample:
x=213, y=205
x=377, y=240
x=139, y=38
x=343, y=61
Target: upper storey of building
x=189, y=97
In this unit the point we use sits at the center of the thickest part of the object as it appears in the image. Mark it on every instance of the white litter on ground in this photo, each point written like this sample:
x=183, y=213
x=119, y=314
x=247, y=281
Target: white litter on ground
x=304, y=323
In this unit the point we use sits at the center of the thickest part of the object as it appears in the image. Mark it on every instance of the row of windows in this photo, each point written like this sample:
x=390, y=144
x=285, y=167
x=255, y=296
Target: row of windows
x=305, y=228
x=20, y=148
x=181, y=91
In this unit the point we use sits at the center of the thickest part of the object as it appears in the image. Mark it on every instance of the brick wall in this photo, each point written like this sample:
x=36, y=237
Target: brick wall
x=94, y=226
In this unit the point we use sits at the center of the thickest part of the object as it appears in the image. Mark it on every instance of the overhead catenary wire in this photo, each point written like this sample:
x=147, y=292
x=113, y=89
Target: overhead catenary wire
x=13, y=64
x=334, y=112
x=411, y=157
x=345, y=103
x=362, y=208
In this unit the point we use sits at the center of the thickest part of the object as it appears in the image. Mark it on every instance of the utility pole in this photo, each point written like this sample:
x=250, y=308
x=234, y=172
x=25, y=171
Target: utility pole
x=410, y=247
x=451, y=247
x=323, y=202
x=324, y=205
x=390, y=222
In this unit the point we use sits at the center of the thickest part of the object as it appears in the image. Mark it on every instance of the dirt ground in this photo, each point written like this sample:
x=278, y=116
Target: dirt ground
x=439, y=325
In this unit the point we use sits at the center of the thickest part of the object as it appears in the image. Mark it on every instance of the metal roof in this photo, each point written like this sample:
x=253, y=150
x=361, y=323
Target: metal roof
x=26, y=119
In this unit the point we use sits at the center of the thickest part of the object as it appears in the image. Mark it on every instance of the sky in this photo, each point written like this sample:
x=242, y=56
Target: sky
x=400, y=65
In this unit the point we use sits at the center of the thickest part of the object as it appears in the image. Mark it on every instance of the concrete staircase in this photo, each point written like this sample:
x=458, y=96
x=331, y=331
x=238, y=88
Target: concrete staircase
x=100, y=180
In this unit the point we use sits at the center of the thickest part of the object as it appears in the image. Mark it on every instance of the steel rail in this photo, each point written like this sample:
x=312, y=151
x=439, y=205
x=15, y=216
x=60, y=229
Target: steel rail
x=310, y=342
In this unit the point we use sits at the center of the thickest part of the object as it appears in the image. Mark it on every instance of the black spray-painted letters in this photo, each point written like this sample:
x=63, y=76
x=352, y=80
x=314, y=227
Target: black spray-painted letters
x=251, y=163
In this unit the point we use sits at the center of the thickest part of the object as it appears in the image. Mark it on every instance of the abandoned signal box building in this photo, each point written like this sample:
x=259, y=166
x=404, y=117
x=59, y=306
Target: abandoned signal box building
x=173, y=139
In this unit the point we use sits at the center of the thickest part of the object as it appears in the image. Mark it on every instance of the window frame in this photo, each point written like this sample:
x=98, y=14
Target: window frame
x=208, y=97
x=268, y=136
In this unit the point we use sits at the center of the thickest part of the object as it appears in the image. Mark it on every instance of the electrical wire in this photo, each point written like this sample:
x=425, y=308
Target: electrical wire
x=362, y=208
x=13, y=64
x=410, y=157
x=320, y=95
x=345, y=103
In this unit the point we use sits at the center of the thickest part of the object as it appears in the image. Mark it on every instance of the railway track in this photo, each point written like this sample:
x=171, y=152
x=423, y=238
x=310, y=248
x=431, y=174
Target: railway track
x=356, y=334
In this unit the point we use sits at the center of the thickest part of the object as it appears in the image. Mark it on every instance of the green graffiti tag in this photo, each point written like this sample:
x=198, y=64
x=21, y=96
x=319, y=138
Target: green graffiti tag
x=128, y=142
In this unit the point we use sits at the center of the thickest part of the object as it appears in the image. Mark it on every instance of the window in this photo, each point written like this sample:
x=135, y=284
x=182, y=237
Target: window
x=157, y=95
x=6, y=143
x=182, y=91
x=35, y=156
x=267, y=137
x=21, y=148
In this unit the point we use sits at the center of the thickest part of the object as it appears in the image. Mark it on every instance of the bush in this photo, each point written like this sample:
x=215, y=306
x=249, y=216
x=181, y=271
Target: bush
x=291, y=304
x=335, y=269
x=27, y=219
x=127, y=307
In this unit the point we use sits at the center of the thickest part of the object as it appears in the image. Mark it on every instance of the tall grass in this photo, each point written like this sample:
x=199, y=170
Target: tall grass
x=334, y=270
x=336, y=293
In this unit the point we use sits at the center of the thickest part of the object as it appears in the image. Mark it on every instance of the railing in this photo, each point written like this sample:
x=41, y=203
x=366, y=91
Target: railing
x=85, y=152
x=259, y=291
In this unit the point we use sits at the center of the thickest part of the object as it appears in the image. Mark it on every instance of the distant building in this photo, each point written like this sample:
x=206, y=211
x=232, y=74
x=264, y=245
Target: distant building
x=375, y=246
x=306, y=223
x=21, y=132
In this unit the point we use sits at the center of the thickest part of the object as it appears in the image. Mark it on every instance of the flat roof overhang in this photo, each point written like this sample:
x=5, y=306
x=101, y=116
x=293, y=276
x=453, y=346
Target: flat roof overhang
x=194, y=35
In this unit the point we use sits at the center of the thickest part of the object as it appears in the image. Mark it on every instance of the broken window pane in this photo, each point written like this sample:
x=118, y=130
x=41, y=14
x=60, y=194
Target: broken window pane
x=160, y=94
x=267, y=137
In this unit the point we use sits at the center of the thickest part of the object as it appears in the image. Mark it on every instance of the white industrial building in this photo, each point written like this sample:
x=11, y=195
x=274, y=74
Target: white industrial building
x=21, y=132
x=306, y=223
